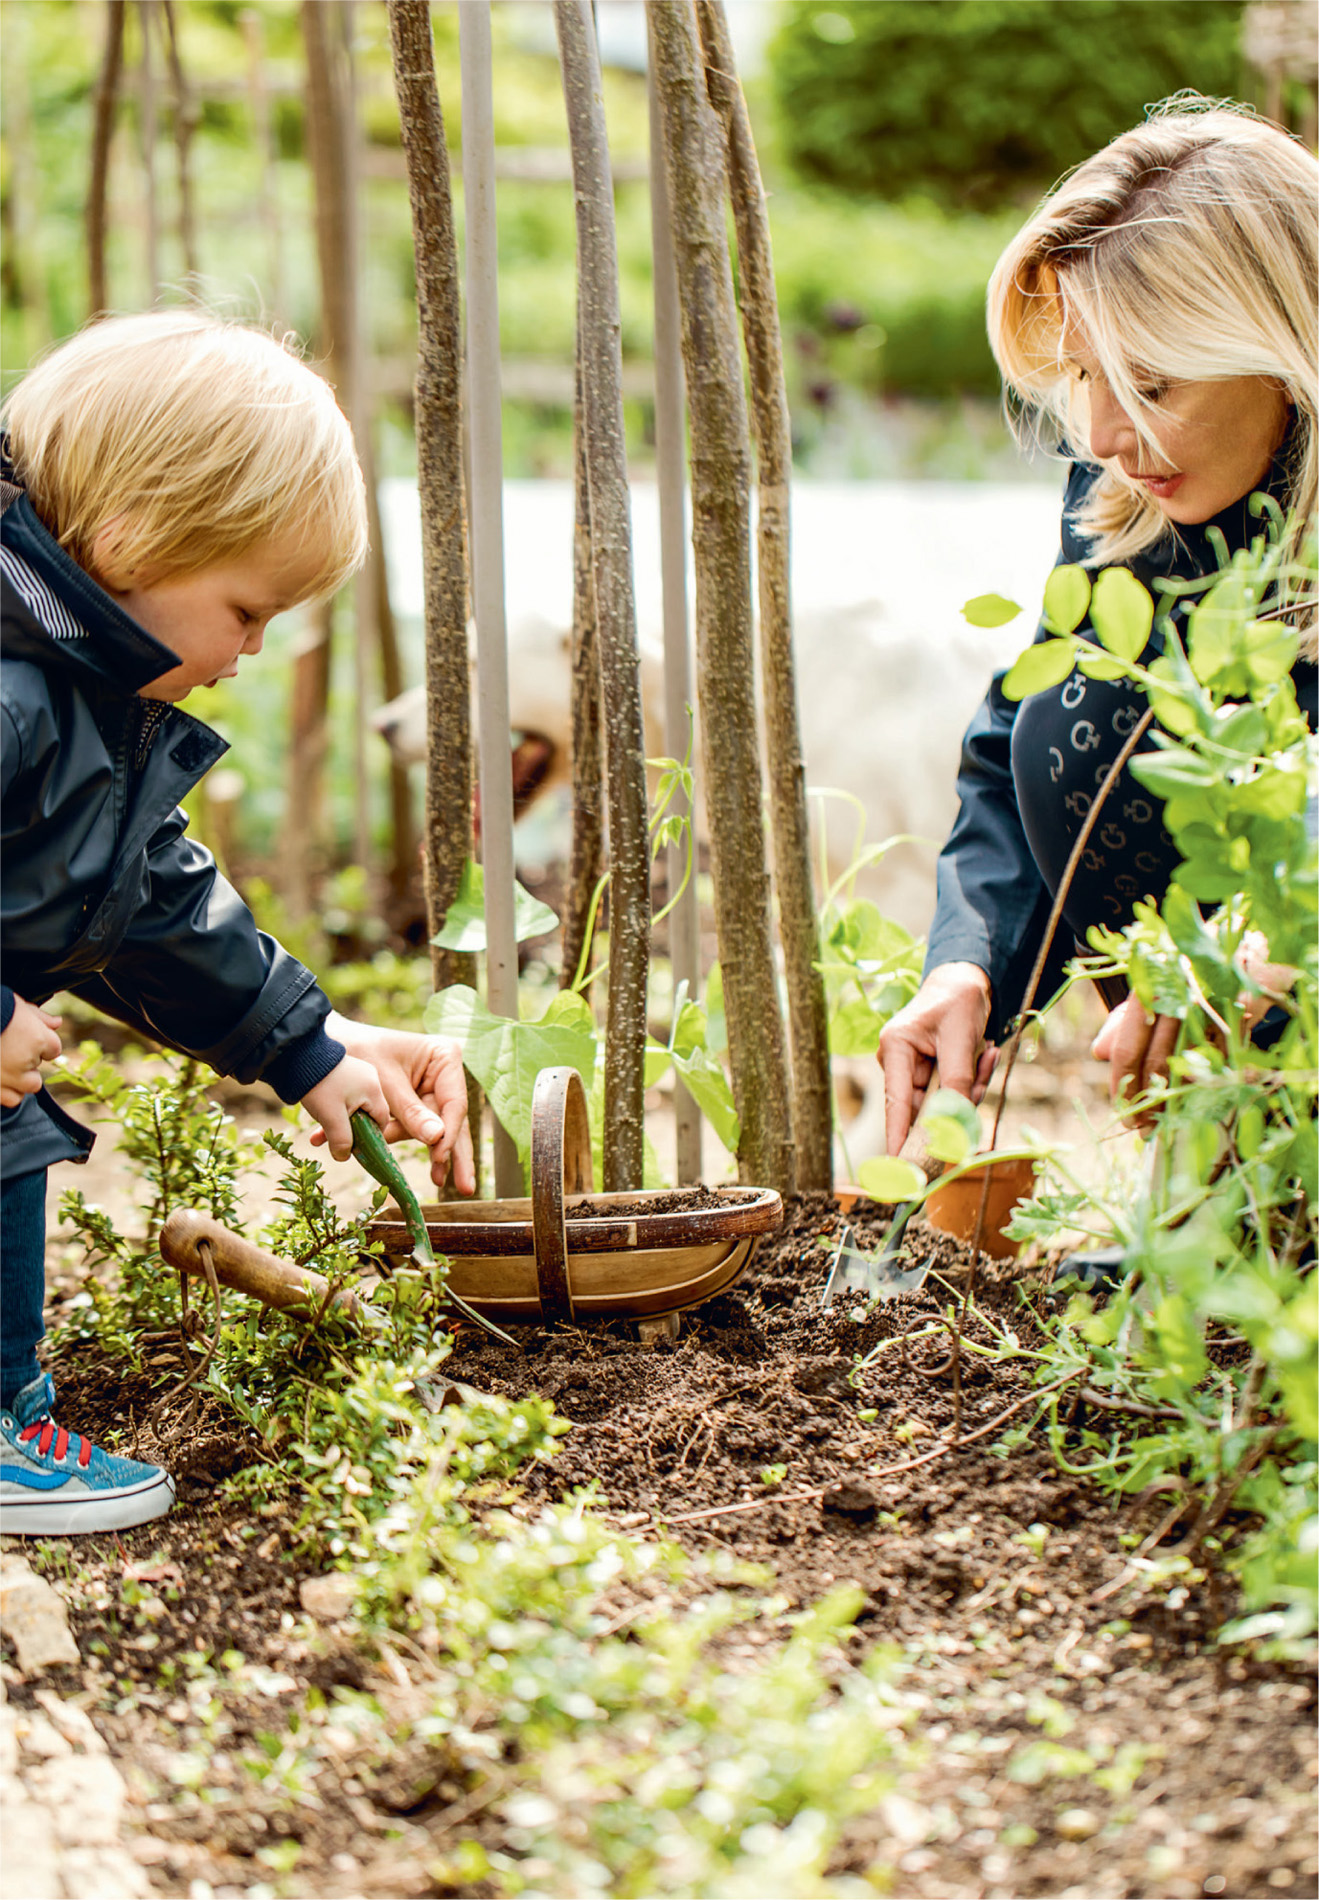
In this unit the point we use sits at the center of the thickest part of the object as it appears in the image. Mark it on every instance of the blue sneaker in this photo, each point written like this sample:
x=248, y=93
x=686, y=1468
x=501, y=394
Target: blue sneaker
x=54, y=1483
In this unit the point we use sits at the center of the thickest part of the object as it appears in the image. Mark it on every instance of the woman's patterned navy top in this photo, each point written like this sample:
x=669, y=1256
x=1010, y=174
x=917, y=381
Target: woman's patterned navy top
x=1029, y=773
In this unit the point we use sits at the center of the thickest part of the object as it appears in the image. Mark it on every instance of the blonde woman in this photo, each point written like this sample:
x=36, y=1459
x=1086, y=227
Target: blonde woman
x=1158, y=314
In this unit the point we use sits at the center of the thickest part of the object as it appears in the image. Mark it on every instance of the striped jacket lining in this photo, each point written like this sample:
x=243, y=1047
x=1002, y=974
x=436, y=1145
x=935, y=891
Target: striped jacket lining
x=50, y=611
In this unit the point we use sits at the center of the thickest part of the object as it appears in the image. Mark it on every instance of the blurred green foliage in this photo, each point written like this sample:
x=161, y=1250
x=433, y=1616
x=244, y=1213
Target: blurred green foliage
x=983, y=102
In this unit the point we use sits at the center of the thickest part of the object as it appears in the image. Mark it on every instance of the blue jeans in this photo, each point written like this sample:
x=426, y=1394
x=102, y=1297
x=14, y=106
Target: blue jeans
x=22, y=1281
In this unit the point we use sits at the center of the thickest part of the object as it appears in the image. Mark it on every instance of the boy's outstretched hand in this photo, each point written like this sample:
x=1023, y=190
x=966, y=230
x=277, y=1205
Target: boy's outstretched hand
x=29, y=1038
x=412, y=1085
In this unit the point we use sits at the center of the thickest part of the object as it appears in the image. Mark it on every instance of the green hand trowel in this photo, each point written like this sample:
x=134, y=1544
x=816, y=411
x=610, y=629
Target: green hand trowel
x=371, y=1150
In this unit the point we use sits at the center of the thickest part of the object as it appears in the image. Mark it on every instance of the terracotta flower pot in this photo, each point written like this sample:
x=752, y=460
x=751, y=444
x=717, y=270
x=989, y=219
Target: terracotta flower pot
x=953, y=1209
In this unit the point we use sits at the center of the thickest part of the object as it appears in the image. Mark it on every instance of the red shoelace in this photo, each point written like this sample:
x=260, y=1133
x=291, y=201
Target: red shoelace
x=56, y=1435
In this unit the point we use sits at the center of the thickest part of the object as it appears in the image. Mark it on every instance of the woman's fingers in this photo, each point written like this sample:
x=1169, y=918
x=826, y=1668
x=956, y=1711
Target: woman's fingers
x=940, y=1028
x=1137, y=1047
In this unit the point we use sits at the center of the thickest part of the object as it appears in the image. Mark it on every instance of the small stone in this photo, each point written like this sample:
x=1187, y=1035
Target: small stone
x=34, y=1617
x=824, y=1378
x=86, y=1793
x=31, y=1856
x=150, y=1852
x=1077, y=1824
x=906, y=1821
x=73, y=1723
x=851, y=1501
x=37, y=1736
x=106, y=1872
x=329, y=1597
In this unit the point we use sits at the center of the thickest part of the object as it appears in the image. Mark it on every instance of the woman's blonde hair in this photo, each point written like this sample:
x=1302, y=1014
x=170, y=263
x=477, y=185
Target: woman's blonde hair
x=1185, y=250
x=198, y=437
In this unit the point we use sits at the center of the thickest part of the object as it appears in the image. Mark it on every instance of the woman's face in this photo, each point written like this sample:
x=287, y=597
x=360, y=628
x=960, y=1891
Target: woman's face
x=1215, y=440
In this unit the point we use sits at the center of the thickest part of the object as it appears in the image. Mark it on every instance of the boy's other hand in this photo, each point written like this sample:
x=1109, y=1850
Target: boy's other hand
x=30, y=1038
x=425, y=1089
x=351, y=1085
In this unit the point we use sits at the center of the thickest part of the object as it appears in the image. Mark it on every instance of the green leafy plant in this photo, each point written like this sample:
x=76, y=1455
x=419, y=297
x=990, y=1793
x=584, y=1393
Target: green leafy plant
x=1211, y=1342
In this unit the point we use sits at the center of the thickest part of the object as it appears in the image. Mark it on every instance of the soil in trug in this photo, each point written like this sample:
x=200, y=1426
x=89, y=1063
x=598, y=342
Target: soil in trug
x=1003, y=1580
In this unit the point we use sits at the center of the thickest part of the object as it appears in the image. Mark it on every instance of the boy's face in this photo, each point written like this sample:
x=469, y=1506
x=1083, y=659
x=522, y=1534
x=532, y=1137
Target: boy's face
x=214, y=616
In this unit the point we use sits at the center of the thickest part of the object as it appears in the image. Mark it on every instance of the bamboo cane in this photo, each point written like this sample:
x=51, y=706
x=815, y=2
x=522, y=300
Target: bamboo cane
x=599, y=327
x=487, y=531
x=670, y=459
x=721, y=477
x=812, y=1094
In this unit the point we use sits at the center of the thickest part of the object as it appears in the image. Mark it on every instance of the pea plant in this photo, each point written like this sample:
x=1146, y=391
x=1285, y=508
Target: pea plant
x=1207, y=1352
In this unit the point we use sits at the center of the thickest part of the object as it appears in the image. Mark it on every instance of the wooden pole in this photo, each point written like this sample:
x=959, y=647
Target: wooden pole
x=448, y=833
x=186, y=117
x=336, y=254
x=812, y=1093
x=599, y=327
x=588, y=832
x=484, y=411
x=721, y=534
x=146, y=98
x=107, y=98
x=679, y=695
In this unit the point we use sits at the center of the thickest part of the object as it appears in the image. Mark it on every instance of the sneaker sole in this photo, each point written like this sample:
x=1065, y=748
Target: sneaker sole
x=47, y=1516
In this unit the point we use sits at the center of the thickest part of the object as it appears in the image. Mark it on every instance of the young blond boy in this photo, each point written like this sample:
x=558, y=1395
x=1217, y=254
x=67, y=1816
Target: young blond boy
x=170, y=483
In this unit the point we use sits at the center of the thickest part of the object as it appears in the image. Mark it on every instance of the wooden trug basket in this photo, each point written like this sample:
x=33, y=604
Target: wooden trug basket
x=558, y=1256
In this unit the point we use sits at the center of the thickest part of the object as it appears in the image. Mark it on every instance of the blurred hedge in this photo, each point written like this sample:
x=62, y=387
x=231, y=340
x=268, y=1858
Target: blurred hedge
x=883, y=297
x=982, y=102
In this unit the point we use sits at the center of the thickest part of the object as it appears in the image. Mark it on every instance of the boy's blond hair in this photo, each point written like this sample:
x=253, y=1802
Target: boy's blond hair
x=1186, y=250
x=198, y=437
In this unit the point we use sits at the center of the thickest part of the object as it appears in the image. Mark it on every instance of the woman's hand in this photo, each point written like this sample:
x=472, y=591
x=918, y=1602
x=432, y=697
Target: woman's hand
x=942, y=1028
x=30, y=1038
x=424, y=1094
x=1270, y=981
x=1136, y=1047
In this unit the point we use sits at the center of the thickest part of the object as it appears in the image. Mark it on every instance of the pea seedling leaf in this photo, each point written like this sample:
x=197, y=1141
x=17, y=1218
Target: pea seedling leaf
x=506, y=1057
x=1066, y=597
x=885, y=1178
x=990, y=610
x=1121, y=613
x=1040, y=667
x=951, y=1125
x=709, y=1088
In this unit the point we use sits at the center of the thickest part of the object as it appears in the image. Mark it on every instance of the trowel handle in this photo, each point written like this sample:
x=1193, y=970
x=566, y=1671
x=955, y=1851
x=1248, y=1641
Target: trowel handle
x=914, y=1149
x=243, y=1266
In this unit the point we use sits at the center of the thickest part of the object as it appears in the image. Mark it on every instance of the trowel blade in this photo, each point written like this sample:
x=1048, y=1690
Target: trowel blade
x=874, y=1276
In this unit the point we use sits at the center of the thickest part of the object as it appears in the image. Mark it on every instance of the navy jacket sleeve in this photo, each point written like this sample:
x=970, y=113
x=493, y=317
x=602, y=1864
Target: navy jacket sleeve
x=992, y=903
x=194, y=972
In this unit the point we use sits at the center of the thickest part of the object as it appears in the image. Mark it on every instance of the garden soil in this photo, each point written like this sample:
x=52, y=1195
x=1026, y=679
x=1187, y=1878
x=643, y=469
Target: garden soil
x=1004, y=1584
